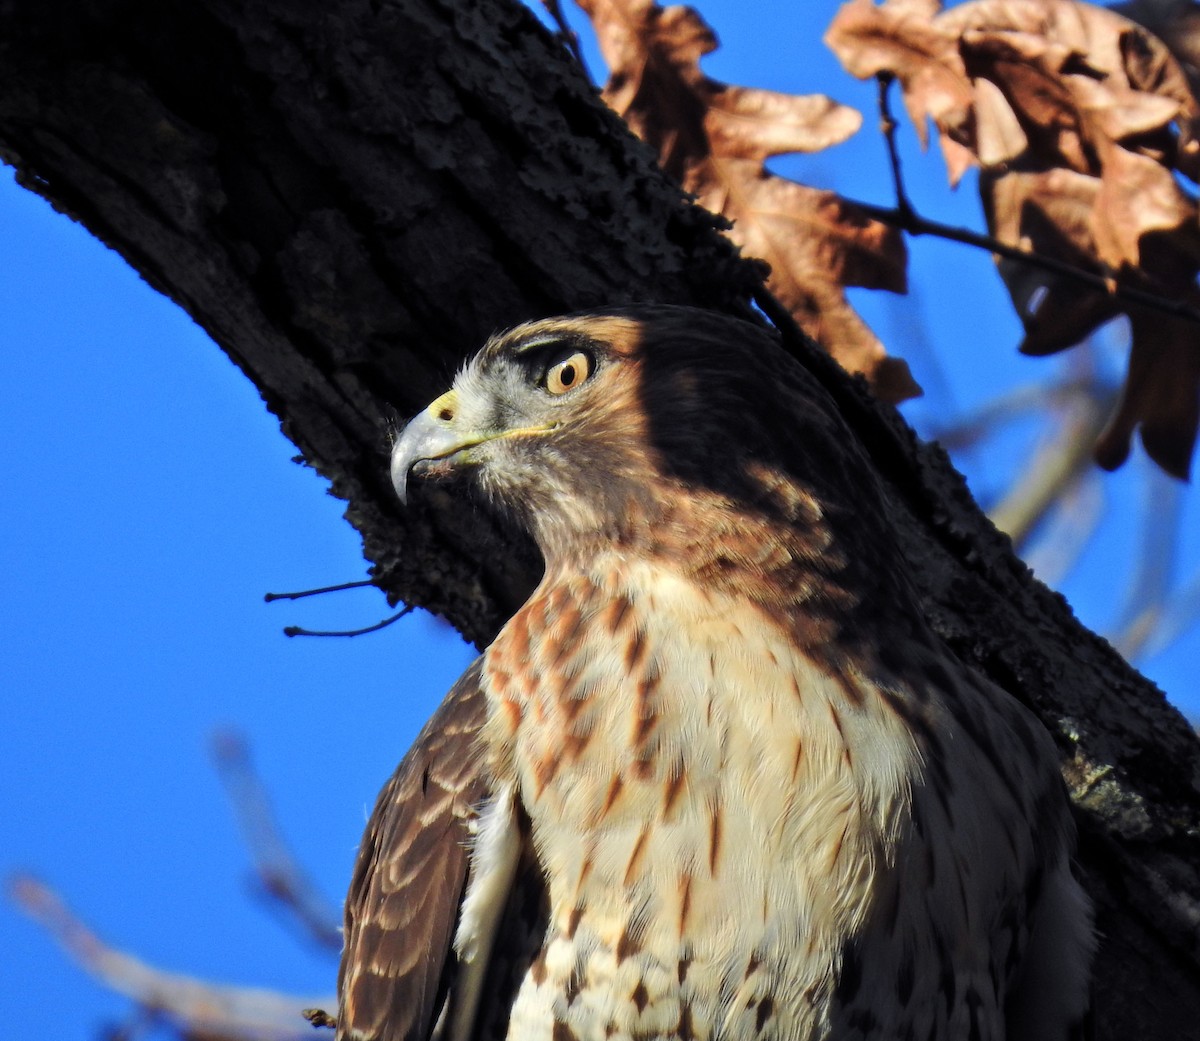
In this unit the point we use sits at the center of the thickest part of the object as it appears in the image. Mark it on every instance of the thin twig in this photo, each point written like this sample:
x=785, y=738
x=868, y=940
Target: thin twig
x=916, y=225
x=199, y=1007
x=568, y=36
x=271, y=597
x=887, y=126
x=966, y=430
x=779, y=316
x=295, y=630
x=1162, y=516
x=278, y=869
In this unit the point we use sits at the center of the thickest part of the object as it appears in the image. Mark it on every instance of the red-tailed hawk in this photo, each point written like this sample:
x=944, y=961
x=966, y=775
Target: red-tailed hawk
x=717, y=779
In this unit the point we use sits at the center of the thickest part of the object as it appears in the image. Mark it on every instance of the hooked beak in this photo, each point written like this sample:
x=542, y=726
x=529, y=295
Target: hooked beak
x=434, y=442
x=430, y=436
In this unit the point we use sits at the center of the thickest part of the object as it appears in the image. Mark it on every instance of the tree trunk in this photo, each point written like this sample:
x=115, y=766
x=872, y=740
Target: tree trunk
x=350, y=197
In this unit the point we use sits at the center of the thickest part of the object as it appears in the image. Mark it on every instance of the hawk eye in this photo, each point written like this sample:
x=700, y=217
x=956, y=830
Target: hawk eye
x=567, y=373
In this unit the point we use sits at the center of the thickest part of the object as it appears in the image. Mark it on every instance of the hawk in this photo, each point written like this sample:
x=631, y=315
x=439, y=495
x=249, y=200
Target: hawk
x=717, y=778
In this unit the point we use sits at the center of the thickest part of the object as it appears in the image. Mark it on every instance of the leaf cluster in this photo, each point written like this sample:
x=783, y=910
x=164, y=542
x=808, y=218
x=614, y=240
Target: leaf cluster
x=1084, y=126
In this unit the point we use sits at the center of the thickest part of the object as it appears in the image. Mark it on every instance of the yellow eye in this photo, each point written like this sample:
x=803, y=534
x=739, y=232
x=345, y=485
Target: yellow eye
x=569, y=373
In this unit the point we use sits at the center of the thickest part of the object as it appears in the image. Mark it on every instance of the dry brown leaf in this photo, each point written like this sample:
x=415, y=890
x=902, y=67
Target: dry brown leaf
x=1159, y=394
x=916, y=9
x=1086, y=111
x=1127, y=117
x=1078, y=76
x=715, y=138
x=1050, y=211
x=1081, y=121
x=816, y=243
x=901, y=38
x=958, y=157
x=1100, y=128
x=1178, y=26
x=1138, y=196
x=998, y=136
x=1027, y=71
x=745, y=123
x=1093, y=33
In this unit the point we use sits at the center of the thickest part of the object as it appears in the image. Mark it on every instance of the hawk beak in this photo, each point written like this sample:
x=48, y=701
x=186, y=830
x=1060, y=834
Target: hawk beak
x=431, y=436
x=435, y=442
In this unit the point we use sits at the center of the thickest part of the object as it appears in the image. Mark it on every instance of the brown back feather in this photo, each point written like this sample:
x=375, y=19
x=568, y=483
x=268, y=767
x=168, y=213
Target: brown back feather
x=402, y=908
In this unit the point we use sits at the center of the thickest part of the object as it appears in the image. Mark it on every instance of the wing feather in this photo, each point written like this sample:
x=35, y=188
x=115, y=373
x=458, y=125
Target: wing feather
x=403, y=904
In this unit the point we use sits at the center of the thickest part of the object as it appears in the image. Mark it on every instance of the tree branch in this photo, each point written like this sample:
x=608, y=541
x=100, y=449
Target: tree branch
x=360, y=584
x=1055, y=466
x=350, y=198
x=280, y=876
x=198, y=1007
x=296, y=630
x=916, y=225
x=1149, y=595
x=887, y=126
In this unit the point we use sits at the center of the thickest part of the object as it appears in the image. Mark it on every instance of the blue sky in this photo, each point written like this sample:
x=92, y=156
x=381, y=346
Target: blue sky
x=150, y=501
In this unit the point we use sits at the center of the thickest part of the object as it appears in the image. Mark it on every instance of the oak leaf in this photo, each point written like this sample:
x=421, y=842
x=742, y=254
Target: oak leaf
x=1159, y=395
x=1082, y=122
x=715, y=139
x=902, y=39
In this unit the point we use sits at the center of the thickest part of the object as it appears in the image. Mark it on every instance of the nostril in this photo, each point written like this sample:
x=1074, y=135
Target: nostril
x=446, y=415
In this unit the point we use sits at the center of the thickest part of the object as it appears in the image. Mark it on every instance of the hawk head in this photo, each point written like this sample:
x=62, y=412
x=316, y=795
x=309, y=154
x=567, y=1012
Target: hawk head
x=576, y=424
x=631, y=424
x=533, y=419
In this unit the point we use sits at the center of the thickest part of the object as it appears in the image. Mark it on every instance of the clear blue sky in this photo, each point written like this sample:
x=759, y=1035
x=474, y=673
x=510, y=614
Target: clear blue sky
x=149, y=503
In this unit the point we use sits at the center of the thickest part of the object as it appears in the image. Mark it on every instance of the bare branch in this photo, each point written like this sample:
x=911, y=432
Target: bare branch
x=199, y=1008
x=280, y=876
x=295, y=630
x=916, y=225
x=966, y=430
x=887, y=126
x=1055, y=467
x=568, y=36
x=272, y=597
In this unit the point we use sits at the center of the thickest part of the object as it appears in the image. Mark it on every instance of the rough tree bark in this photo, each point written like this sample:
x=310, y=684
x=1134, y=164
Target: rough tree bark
x=349, y=197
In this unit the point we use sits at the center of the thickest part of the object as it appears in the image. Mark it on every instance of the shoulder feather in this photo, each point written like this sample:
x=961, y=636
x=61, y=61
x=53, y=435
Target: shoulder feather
x=403, y=905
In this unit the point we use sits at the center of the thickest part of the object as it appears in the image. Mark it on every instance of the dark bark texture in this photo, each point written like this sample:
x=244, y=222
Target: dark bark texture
x=350, y=197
